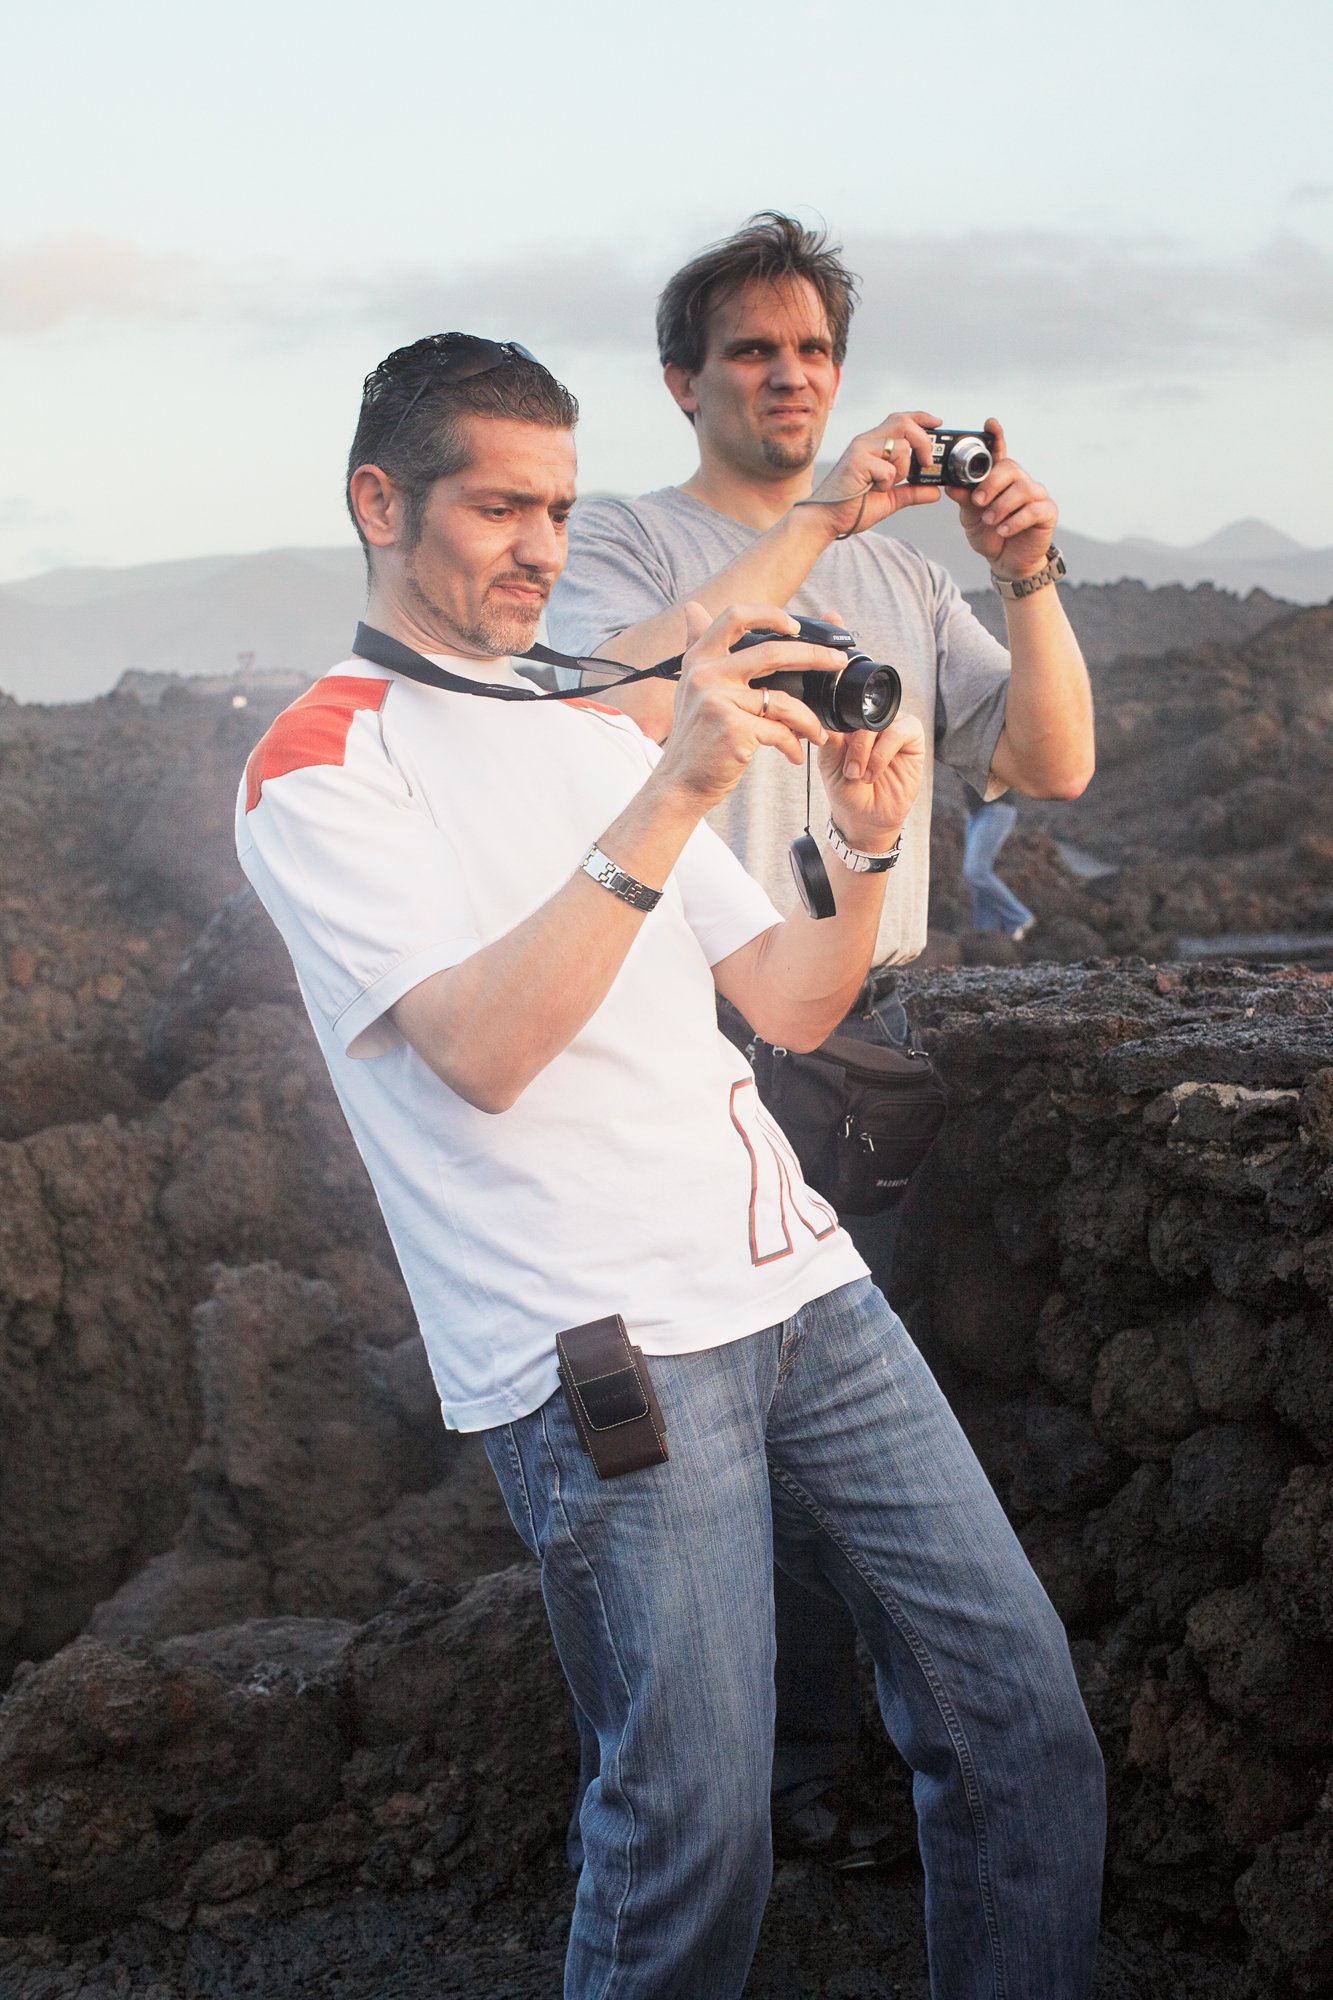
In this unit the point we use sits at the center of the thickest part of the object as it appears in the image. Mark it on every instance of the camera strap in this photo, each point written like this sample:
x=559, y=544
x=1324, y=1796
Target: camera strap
x=382, y=651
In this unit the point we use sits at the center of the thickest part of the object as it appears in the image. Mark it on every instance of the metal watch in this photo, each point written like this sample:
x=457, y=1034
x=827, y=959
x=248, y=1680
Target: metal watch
x=607, y=875
x=857, y=860
x=1025, y=585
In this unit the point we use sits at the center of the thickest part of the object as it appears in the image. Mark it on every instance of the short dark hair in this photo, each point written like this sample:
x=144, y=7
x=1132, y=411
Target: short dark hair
x=771, y=247
x=410, y=422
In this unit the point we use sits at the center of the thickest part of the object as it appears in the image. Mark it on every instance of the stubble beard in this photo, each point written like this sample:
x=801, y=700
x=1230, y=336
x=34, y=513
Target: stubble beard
x=789, y=454
x=496, y=631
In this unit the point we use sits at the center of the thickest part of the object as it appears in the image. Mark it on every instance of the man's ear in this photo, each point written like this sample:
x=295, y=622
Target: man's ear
x=680, y=381
x=377, y=504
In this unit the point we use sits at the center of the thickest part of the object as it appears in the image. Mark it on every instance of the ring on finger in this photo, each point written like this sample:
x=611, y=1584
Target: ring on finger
x=890, y=446
x=763, y=705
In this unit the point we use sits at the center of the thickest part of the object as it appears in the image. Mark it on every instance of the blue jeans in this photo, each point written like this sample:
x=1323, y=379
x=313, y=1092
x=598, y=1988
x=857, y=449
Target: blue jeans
x=818, y=1693
x=659, y=1588
x=994, y=906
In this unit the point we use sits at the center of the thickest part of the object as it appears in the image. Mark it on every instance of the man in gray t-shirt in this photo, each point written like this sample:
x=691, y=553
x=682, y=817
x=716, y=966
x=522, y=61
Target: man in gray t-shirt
x=752, y=335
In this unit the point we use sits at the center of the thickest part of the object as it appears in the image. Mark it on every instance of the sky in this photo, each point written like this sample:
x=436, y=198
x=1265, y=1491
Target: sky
x=1110, y=226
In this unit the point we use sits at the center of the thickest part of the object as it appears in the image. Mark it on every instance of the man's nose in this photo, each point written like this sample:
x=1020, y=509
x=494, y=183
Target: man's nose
x=787, y=368
x=540, y=545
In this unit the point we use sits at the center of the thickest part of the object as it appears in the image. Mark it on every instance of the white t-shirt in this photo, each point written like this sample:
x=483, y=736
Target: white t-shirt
x=393, y=829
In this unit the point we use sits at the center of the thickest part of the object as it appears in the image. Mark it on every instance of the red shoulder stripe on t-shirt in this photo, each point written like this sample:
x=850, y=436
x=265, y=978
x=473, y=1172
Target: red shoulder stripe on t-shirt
x=312, y=731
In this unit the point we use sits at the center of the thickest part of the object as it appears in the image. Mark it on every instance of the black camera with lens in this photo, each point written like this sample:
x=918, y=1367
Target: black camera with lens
x=862, y=695
x=957, y=458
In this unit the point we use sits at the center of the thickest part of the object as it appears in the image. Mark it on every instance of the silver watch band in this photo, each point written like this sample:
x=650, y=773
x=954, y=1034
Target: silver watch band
x=1024, y=586
x=607, y=875
x=856, y=859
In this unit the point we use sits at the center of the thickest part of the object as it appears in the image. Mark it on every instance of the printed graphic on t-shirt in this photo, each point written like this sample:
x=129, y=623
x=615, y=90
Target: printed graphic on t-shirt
x=777, y=1190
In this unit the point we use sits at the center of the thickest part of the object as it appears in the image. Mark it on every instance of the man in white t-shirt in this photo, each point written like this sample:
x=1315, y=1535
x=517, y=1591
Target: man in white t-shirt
x=752, y=334
x=509, y=924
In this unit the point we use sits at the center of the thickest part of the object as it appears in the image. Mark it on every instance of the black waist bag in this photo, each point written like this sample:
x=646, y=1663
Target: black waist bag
x=862, y=1117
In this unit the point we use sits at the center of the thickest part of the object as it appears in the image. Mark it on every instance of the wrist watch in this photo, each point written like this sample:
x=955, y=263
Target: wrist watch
x=1025, y=585
x=856, y=859
x=607, y=874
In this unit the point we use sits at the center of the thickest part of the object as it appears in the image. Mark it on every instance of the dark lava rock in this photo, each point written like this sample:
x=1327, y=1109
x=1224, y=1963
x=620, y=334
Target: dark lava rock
x=1224, y=1481
x=209, y=1771
x=1302, y=1375
x=1298, y=1554
x=1116, y=1258
x=1259, y=1672
x=118, y=1774
x=1286, y=1902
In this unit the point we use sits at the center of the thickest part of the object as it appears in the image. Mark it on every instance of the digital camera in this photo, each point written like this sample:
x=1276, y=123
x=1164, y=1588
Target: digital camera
x=958, y=458
x=862, y=695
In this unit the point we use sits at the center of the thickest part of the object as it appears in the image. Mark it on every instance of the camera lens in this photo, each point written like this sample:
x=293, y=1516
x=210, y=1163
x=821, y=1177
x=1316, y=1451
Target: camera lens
x=866, y=695
x=968, y=463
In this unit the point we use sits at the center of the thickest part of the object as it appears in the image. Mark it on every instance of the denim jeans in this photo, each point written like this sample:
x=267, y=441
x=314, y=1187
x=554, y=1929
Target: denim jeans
x=818, y=1694
x=659, y=1590
x=994, y=906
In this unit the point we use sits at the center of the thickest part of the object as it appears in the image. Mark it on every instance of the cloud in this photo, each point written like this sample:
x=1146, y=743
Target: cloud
x=591, y=298
x=1046, y=303
x=19, y=512
x=95, y=280
x=1028, y=304
x=1310, y=192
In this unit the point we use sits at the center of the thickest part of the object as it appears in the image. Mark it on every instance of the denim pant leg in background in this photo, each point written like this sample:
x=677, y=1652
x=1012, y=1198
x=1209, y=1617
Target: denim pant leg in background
x=819, y=1705
x=995, y=907
x=657, y=1587
x=975, y=1681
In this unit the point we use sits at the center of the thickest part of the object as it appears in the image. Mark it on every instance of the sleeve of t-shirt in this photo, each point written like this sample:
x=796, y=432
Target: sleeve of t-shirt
x=972, y=687
x=362, y=884
x=724, y=907
x=615, y=577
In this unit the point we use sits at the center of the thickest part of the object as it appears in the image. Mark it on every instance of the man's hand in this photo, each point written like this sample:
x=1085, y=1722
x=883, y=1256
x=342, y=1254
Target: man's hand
x=870, y=474
x=1009, y=519
x=721, y=720
x=872, y=778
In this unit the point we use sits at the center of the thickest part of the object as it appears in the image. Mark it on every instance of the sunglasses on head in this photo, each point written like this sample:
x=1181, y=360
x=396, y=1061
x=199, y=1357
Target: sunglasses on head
x=451, y=357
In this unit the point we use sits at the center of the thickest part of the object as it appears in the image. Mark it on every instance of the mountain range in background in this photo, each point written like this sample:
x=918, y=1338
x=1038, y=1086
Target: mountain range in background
x=1248, y=555
x=71, y=634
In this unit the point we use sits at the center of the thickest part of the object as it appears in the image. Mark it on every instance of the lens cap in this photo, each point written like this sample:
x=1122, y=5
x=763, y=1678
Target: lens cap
x=811, y=877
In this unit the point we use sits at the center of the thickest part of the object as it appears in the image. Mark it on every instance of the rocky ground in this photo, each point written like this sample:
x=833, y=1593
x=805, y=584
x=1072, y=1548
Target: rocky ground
x=283, y=1717
x=1130, y=620
x=1213, y=801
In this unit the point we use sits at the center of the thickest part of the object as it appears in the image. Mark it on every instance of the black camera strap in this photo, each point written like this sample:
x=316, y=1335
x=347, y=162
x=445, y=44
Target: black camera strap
x=382, y=651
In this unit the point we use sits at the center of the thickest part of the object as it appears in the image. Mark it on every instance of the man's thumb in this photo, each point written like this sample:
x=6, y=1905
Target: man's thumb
x=697, y=622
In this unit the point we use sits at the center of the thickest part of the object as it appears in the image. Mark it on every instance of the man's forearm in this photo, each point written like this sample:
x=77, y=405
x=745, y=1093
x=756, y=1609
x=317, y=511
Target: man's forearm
x=476, y=1023
x=1046, y=747
x=796, y=982
x=772, y=570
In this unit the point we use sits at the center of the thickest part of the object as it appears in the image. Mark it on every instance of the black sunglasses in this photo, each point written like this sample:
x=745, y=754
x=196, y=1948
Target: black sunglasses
x=451, y=357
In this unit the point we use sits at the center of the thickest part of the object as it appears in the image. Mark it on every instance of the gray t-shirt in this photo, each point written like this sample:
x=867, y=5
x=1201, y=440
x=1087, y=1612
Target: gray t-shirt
x=630, y=559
